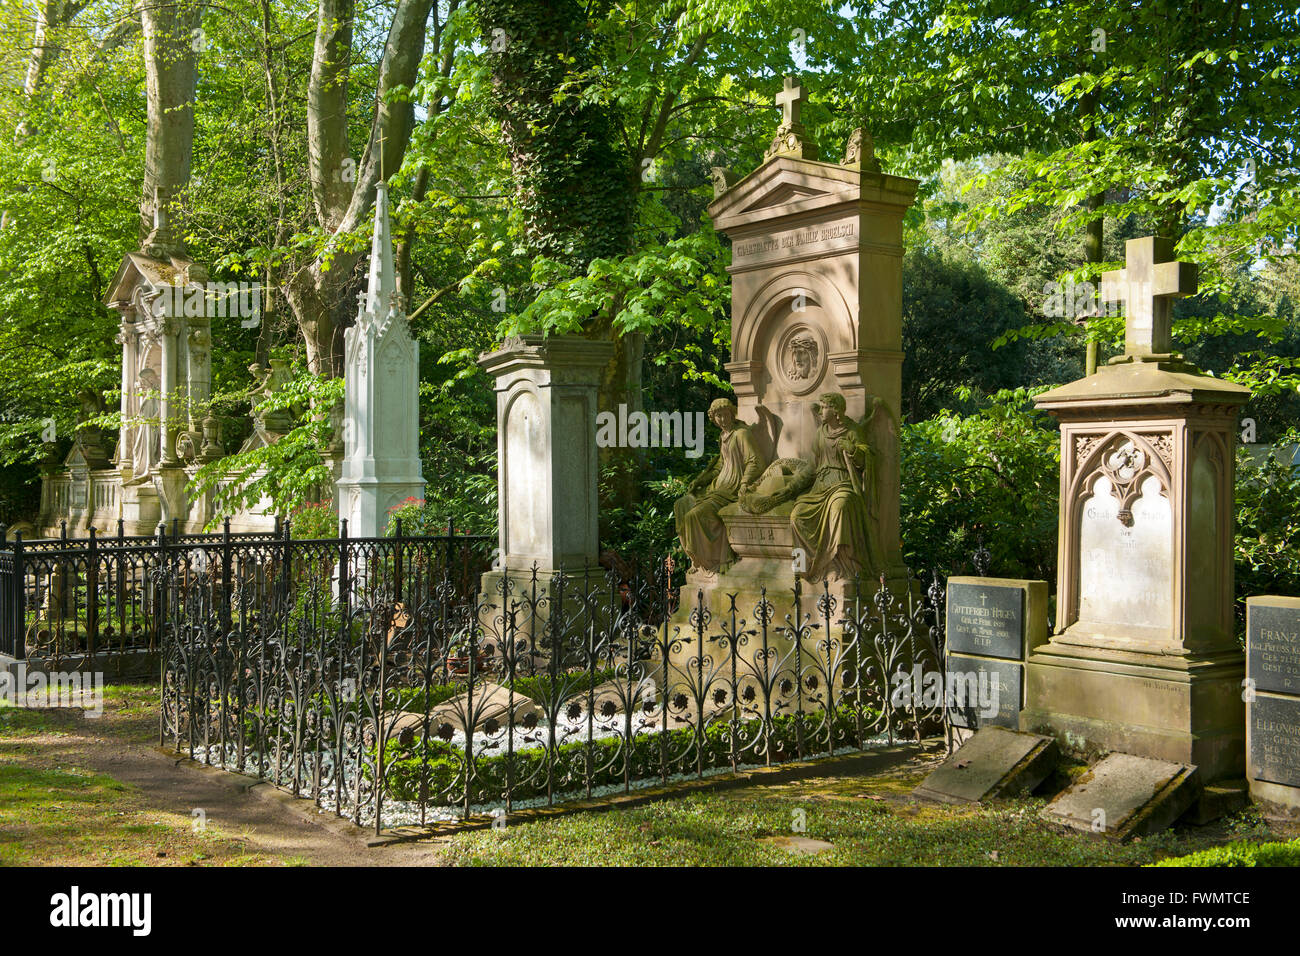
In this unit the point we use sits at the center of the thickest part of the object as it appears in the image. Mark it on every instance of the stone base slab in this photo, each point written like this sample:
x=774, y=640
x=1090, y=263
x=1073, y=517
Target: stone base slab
x=1124, y=796
x=992, y=764
x=1276, y=800
x=1181, y=709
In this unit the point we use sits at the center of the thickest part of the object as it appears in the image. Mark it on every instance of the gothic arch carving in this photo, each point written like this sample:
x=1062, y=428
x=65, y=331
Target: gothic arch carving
x=1124, y=456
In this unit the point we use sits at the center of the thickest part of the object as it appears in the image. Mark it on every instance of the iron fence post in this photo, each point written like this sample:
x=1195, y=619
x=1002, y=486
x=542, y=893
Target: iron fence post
x=92, y=597
x=226, y=620
x=159, y=596
x=20, y=600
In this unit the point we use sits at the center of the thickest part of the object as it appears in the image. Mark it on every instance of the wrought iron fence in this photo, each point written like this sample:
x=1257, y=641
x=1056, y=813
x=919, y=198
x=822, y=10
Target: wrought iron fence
x=387, y=696
x=100, y=602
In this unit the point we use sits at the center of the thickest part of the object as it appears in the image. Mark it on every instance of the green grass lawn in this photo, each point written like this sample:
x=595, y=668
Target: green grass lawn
x=72, y=817
x=869, y=822
x=53, y=811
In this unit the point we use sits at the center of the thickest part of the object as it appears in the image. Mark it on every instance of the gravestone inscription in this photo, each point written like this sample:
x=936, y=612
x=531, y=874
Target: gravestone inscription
x=1273, y=701
x=1275, y=740
x=992, y=624
x=986, y=619
x=1273, y=648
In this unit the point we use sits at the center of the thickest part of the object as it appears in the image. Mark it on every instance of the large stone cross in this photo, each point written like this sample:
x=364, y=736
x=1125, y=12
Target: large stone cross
x=790, y=99
x=1147, y=285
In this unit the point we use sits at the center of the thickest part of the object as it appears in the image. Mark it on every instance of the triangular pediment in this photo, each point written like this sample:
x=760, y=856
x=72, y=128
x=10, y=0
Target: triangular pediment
x=784, y=193
x=137, y=268
x=785, y=186
x=76, y=460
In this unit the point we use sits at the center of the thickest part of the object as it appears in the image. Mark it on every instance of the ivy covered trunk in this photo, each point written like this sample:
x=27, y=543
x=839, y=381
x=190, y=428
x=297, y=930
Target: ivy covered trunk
x=572, y=177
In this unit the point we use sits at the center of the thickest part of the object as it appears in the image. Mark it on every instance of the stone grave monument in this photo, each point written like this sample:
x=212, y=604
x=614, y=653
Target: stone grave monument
x=992, y=625
x=1143, y=659
x=167, y=430
x=1273, y=702
x=381, y=414
x=807, y=481
x=166, y=305
x=547, y=504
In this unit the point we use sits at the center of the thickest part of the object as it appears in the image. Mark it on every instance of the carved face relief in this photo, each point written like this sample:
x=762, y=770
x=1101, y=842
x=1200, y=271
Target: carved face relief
x=800, y=358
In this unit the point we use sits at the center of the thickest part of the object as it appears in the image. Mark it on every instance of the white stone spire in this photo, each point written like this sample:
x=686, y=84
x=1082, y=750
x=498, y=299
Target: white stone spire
x=381, y=288
x=381, y=422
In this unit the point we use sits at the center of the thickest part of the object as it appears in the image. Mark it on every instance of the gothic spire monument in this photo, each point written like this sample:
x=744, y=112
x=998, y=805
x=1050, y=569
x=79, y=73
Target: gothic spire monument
x=381, y=421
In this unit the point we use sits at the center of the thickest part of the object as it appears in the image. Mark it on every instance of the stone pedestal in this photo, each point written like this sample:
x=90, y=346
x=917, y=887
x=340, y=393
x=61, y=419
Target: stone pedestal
x=546, y=460
x=141, y=509
x=1144, y=659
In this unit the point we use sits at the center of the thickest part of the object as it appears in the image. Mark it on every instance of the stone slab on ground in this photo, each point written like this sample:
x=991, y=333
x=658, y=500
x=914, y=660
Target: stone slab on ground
x=490, y=705
x=995, y=762
x=1123, y=796
x=799, y=845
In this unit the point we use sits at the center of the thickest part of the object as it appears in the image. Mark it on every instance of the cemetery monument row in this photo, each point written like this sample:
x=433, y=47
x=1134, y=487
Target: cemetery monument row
x=167, y=429
x=1144, y=659
x=806, y=483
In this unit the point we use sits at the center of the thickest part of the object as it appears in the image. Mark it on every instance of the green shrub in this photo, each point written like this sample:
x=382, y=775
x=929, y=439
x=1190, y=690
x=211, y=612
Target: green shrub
x=1267, y=546
x=568, y=762
x=992, y=476
x=314, y=521
x=419, y=518
x=1242, y=853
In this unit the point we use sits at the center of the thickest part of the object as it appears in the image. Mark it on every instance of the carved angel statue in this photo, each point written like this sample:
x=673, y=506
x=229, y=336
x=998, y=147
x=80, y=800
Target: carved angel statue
x=832, y=520
x=732, y=473
x=833, y=493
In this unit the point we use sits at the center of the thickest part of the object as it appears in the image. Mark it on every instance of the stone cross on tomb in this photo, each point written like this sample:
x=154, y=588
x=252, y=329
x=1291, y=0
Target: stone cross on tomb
x=791, y=99
x=1147, y=285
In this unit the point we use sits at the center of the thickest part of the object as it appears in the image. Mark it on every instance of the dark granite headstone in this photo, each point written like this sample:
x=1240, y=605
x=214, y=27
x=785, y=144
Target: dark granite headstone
x=1275, y=740
x=1273, y=648
x=986, y=619
x=971, y=679
x=1273, y=703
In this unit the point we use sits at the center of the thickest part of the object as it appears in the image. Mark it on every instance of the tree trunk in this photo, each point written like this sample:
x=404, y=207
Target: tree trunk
x=573, y=182
x=50, y=16
x=170, y=57
x=321, y=293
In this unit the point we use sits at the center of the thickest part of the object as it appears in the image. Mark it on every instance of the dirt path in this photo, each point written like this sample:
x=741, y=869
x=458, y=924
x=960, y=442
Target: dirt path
x=122, y=744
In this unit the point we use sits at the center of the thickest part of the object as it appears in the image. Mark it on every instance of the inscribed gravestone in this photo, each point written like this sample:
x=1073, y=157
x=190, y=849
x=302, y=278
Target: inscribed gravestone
x=1273, y=701
x=992, y=623
x=1144, y=659
x=1124, y=568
